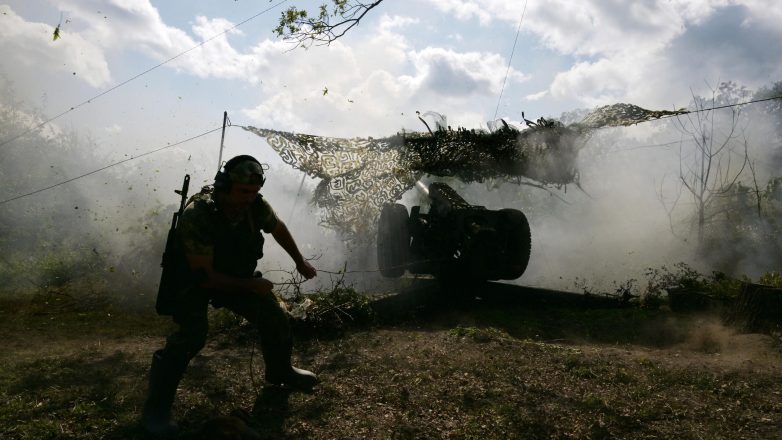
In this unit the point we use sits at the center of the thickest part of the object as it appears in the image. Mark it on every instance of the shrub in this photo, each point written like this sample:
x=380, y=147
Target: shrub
x=331, y=311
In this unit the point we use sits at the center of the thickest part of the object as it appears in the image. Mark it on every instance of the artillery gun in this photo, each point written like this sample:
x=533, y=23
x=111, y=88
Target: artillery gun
x=453, y=238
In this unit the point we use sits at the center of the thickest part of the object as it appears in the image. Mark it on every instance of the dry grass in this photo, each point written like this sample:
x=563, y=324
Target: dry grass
x=478, y=371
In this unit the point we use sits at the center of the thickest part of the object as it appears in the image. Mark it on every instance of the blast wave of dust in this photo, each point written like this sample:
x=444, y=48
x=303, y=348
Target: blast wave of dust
x=705, y=341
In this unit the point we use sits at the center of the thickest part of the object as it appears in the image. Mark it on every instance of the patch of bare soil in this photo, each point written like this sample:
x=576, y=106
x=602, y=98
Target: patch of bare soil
x=473, y=372
x=483, y=383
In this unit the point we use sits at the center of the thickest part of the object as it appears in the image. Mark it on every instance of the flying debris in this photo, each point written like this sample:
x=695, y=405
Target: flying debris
x=360, y=175
x=56, y=34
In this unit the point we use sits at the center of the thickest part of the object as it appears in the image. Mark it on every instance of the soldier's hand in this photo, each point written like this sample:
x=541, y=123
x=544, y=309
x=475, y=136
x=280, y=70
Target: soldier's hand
x=306, y=269
x=262, y=286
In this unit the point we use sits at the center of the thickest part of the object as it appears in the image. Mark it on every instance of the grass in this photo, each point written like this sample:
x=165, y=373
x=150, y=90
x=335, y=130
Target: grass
x=474, y=370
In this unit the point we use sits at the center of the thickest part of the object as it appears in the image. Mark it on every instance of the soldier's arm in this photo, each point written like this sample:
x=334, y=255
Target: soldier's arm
x=204, y=264
x=283, y=236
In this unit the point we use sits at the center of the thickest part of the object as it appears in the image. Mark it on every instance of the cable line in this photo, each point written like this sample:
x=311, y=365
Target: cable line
x=700, y=110
x=220, y=128
x=110, y=165
x=115, y=87
x=640, y=147
x=510, y=60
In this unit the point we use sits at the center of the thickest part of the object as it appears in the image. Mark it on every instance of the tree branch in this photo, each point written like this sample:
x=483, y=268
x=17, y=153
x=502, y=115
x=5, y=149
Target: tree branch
x=299, y=27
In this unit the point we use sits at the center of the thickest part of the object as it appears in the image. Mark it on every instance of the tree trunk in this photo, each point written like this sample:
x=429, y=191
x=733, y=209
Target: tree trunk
x=758, y=308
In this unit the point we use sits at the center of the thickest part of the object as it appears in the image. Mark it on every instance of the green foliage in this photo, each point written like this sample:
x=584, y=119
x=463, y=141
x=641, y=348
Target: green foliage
x=289, y=21
x=723, y=286
x=66, y=267
x=682, y=276
x=773, y=279
x=332, y=311
x=66, y=262
x=771, y=108
x=769, y=91
x=331, y=21
x=743, y=222
x=70, y=239
x=625, y=291
x=223, y=320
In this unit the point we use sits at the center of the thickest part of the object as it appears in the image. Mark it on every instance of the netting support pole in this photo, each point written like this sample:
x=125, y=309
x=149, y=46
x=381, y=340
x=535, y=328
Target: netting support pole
x=296, y=200
x=222, y=140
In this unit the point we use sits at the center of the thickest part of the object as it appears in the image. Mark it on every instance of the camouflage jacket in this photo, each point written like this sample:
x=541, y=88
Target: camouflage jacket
x=235, y=246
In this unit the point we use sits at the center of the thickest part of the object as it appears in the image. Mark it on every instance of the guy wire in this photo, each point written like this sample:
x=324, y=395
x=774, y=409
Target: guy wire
x=115, y=87
x=510, y=60
x=242, y=126
x=719, y=107
x=110, y=165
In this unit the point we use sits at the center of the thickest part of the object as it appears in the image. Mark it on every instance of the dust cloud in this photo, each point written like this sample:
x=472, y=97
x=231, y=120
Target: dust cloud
x=631, y=210
x=628, y=213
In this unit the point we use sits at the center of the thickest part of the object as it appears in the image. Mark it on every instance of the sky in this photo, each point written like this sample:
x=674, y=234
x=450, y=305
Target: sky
x=448, y=56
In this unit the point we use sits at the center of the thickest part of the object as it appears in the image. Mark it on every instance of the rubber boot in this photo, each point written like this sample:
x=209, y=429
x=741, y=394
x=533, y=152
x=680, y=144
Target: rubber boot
x=164, y=377
x=280, y=372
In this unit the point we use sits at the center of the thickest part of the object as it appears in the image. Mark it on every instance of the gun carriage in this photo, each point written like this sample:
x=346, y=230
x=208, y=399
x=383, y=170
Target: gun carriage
x=453, y=238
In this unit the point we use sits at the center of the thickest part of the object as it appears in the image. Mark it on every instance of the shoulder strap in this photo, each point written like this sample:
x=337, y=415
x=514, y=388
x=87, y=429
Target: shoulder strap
x=251, y=221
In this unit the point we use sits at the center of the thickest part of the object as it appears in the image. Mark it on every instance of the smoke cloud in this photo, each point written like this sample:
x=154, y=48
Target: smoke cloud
x=629, y=212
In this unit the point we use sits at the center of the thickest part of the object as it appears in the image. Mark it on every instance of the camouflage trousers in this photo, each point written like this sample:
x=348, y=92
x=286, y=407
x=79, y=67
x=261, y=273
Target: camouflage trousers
x=264, y=312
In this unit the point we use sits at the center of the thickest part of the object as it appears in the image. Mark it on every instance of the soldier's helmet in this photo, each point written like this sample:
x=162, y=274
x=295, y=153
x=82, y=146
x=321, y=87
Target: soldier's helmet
x=241, y=169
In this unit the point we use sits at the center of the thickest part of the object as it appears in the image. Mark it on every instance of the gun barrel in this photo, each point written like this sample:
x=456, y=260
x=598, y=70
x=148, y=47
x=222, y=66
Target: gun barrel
x=164, y=305
x=183, y=193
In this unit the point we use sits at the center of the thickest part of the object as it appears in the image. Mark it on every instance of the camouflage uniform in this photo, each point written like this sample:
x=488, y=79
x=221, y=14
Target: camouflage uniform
x=236, y=247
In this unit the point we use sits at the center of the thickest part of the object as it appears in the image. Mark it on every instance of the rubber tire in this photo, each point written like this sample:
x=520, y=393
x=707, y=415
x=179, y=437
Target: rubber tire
x=514, y=228
x=393, y=240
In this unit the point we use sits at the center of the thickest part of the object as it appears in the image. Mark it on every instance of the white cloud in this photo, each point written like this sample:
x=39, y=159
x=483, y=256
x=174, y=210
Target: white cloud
x=764, y=13
x=448, y=72
x=32, y=46
x=622, y=51
x=718, y=48
x=379, y=79
x=589, y=27
x=651, y=51
x=26, y=120
x=596, y=83
x=278, y=111
x=386, y=48
x=536, y=96
x=390, y=23
x=90, y=30
x=123, y=24
x=114, y=129
x=128, y=25
x=465, y=9
x=218, y=58
x=384, y=77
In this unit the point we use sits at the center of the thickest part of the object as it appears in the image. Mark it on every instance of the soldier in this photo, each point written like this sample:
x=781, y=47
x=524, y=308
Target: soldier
x=219, y=242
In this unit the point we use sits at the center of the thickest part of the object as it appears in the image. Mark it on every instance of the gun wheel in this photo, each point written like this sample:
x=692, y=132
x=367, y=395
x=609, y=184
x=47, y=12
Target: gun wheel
x=393, y=240
x=515, y=233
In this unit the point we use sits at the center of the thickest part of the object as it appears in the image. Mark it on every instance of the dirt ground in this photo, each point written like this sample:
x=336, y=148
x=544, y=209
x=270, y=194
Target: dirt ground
x=471, y=371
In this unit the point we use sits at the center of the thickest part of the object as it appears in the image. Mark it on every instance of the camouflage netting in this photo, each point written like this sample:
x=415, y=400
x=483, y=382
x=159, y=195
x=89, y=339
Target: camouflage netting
x=622, y=115
x=360, y=175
